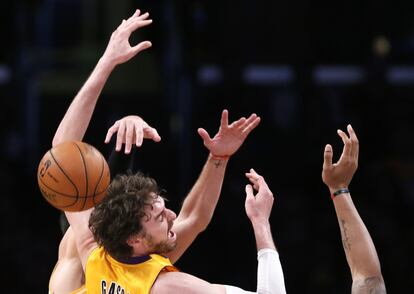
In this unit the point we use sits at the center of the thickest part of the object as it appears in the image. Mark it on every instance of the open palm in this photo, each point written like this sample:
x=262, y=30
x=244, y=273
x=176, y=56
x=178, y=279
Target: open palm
x=229, y=137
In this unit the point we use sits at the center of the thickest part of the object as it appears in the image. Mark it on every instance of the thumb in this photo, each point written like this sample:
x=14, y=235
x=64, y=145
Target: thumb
x=327, y=156
x=156, y=137
x=249, y=194
x=141, y=46
x=153, y=134
x=204, y=135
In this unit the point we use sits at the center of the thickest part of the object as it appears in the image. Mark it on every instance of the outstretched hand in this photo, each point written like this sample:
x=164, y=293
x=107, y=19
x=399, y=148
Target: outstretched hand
x=131, y=130
x=339, y=175
x=119, y=50
x=229, y=137
x=259, y=207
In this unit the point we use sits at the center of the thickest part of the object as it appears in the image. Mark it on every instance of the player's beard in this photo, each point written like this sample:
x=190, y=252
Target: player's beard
x=160, y=247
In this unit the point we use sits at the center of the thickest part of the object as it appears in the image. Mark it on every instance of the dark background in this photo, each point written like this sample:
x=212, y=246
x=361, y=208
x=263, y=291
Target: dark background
x=306, y=67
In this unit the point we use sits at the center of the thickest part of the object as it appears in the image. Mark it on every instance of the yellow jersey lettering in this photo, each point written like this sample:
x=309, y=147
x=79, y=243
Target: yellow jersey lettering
x=114, y=288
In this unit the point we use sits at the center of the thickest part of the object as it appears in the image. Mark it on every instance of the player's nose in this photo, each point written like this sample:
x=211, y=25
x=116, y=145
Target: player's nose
x=171, y=214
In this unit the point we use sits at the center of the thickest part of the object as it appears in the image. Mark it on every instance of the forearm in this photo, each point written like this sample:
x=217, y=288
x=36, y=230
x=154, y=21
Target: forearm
x=263, y=235
x=77, y=118
x=198, y=207
x=202, y=200
x=358, y=246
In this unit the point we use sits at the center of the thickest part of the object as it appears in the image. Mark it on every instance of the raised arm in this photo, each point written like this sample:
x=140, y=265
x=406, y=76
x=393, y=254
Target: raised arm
x=67, y=275
x=359, y=249
x=258, y=209
x=198, y=207
x=270, y=278
x=76, y=120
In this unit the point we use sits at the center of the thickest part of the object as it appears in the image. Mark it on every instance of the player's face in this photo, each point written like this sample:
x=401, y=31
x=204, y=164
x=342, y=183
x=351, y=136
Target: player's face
x=159, y=238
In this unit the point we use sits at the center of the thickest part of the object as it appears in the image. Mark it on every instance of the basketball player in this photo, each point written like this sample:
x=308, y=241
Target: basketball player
x=199, y=205
x=137, y=235
x=359, y=249
x=68, y=276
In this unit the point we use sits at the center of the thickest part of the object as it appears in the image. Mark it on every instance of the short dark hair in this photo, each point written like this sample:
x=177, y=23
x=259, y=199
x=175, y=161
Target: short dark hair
x=119, y=215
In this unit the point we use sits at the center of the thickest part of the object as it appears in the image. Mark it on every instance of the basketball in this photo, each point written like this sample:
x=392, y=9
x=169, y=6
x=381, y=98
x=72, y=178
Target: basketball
x=73, y=176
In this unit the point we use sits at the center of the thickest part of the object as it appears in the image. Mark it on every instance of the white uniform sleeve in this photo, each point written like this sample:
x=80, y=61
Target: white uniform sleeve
x=269, y=273
x=270, y=278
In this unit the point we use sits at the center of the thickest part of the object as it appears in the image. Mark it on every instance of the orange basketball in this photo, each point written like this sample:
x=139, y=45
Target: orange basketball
x=73, y=176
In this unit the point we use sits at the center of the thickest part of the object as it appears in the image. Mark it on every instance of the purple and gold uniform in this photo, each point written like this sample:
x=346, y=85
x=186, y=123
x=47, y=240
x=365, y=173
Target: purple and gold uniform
x=106, y=275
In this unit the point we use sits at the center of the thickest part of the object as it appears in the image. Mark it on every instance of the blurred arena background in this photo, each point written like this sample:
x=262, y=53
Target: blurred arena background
x=306, y=67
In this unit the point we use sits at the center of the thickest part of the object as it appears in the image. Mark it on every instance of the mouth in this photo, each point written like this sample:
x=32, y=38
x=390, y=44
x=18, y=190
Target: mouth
x=171, y=235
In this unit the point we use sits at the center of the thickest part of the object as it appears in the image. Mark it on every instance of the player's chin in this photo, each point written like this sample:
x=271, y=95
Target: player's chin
x=170, y=246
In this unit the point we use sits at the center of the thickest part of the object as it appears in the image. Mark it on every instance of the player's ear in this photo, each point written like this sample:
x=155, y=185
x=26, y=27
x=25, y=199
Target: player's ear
x=133, y=241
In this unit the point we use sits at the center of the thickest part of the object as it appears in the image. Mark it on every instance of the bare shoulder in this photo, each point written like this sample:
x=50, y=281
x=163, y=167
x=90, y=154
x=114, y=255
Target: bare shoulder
x=182, y=283
x=369, y=285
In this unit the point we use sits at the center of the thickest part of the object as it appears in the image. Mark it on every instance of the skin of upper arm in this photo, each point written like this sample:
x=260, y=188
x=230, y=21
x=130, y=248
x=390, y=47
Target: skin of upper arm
x=68, y=274
x=79, y=222
x=182, y=283
x=369, y=285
